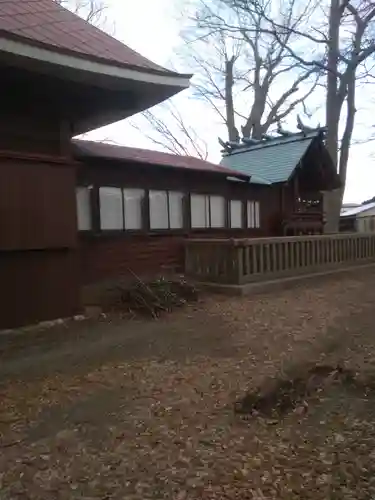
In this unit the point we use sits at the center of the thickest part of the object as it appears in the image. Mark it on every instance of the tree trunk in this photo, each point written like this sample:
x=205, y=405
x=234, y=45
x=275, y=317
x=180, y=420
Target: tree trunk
x=332, y=203
x=253, y=127
x=233, y=134
x=333, y=200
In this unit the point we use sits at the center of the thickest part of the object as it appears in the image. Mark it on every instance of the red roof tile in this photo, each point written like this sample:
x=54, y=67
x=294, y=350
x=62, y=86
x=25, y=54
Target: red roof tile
x=147, y=156
x=45, y=23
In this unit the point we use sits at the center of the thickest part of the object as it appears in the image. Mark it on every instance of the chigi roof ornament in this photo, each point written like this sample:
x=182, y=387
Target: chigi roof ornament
x=282, y=133
x=250, y=141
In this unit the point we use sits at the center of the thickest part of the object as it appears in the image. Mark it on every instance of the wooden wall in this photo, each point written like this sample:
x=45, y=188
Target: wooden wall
x=38, y=285
x=109, y=173
x=39, y=275
x=37, y=205
x=29, y=132
x=32, y=112
x=106, y=256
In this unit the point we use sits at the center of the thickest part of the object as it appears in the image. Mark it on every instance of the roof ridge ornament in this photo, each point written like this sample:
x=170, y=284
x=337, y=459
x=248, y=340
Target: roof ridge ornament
x=267, y=137
x=250, y=141
x=284, y=133
x=229, y=147
x=308, y=130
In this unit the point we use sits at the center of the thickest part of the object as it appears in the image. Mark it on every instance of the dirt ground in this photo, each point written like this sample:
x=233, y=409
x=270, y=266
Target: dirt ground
x=119, y=409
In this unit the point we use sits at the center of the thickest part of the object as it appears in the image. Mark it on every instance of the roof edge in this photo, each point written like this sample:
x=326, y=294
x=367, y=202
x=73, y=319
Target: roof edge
x=276, y=141
x=221, y=170
x=353, y=212
x=24, y=47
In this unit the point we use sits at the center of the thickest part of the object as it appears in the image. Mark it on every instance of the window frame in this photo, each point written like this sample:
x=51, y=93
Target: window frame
x=105, y=230
x=91, y=213
x=159, y=229
x=208, y=212
x=243, y=221
x=186, y=198
x=225, y=213
x=183, y=211
x=96, y=230
x=142, y=209
x=168, y=230
x=255, y=211
x=96, y=226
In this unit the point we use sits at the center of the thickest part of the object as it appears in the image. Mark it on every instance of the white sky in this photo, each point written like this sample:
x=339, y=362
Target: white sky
x=153, y=30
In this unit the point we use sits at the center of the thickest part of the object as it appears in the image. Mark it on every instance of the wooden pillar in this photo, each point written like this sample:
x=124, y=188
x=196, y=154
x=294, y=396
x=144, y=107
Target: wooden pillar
x=275, y=250
x=295, y=192
x=297, y=255
x=283, y=207
x=268, y=257
x=257, y=263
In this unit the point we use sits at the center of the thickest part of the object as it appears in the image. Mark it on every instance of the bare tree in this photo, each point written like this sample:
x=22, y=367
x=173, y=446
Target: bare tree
x=243, y=72
x=170, y=130
x=93, y=11
x=344, y=32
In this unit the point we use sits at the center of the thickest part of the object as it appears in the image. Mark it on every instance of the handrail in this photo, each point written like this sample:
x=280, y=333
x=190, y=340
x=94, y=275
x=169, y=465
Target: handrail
x=238, y=261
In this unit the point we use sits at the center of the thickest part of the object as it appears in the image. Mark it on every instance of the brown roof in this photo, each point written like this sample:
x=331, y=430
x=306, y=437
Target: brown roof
x=45, y=23
x=147, y=156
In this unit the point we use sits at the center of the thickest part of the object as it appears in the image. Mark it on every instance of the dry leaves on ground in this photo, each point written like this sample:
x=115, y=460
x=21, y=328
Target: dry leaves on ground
x=154, y=418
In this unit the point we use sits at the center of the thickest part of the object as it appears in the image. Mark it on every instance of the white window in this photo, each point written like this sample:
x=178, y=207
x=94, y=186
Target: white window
x=217, y=211
x=207, y=211
x=199, y=211
x=166, y=210
x=257, y=214
x=176, y=212
x=253, y=214
x=159, y=210
x=83, y=209
x=111, y=208
x=133, y=204
x=236, y=214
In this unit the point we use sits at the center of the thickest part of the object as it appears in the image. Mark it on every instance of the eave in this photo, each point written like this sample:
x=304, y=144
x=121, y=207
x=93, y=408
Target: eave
x=148, y=86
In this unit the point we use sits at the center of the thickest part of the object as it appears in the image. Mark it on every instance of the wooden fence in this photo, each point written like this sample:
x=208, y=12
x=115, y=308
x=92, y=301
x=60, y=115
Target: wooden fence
x=236, y=262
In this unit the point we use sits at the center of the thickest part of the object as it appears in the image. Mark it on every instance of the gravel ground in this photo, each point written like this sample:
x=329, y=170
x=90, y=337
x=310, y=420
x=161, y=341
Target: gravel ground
x=144, y=409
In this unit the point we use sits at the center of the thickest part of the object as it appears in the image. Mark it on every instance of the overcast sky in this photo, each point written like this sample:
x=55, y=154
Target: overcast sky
x=154, y=32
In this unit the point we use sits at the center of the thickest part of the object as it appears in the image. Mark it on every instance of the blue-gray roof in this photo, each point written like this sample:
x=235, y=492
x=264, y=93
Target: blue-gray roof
x=270, y=161
x=351, y=212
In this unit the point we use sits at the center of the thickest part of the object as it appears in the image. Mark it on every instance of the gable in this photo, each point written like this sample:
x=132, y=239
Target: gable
x=271, y=161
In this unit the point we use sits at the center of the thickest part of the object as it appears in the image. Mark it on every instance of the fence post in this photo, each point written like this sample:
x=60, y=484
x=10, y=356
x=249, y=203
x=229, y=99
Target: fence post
x=239, y=254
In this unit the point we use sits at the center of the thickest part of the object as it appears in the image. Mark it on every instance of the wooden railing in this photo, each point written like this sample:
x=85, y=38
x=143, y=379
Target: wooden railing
x=230, y=261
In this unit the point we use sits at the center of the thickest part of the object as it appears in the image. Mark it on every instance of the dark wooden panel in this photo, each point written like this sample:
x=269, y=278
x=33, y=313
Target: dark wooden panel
x=107, y=173
x=37, y=206
x=30, y=131
x=108, y=258
x=37, y=286
x=105, y=257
